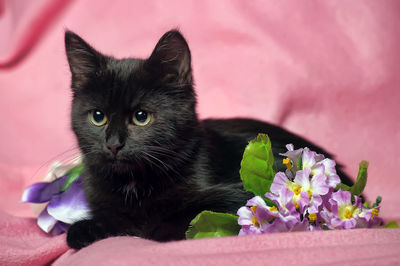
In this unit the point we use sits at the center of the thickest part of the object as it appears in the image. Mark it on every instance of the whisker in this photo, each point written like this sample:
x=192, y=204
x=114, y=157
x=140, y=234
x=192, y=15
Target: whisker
x=52, y=159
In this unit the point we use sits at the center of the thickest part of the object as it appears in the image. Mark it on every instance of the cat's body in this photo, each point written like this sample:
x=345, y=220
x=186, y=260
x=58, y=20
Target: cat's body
x=150, y=164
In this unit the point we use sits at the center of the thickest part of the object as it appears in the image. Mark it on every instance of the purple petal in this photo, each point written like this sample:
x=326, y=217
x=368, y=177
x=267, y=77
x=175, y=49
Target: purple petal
x=318, y=169
x=45, y=221
x=271, y=196
x=285, y=196
x=280, y=181
x=70, y=206
x=303, y=178
x=350, y=223
x=291, y=153
x=300, y=226
x=59, y=229
x=342, y=197
x=245, y=216
x=365, y=215
x=304, y=201
x=318, y=184
x=319, y=157
x=256, y=201
x=276, y=227
x=316, y=202
x=329, y=166
x=308, y=158
x=290, y=219
x=333, y=180
x=43, y=191
x=244, y=231
x=290, y=147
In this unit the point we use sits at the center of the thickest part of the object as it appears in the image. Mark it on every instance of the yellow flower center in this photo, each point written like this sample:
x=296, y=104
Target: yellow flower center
x=348, y=214
x=253, y=209
x=312, y=217
x=273, y=209
x=254, y=221
x=297, y=190
x=296, y=204
x=309, y=193
x=374, y=213
x=288, y=164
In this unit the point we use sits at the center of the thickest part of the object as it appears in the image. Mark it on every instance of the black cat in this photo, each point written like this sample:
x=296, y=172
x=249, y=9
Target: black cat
x=150, y=164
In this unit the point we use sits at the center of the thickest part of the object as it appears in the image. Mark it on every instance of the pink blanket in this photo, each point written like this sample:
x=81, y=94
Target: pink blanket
x=326, y=70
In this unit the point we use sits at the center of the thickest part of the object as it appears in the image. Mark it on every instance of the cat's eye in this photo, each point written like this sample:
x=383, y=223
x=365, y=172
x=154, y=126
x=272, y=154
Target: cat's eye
x=98, y=118
x=141, y=118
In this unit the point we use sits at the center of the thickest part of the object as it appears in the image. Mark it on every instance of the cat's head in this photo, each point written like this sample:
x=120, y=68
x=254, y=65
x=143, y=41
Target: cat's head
x=132, y=115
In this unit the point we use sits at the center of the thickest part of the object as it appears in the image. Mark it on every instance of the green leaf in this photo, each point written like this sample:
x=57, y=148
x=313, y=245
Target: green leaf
x=367, y=204
x=392, y=224
x=73, y=175
x=257, y=166
x=358, y=187
x=213, y=224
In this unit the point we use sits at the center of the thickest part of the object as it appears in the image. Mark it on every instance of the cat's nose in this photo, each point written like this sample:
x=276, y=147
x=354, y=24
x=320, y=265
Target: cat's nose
x=115, y=148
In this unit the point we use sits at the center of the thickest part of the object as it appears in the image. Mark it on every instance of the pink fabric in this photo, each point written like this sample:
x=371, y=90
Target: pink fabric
x=360, y=247
x=23, y=243
x=323, y=69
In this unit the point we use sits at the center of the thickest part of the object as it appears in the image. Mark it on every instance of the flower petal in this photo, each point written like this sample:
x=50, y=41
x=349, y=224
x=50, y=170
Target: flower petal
x=70, y=206
x=59, y=229
x=329, y=166
x=280, y=181
x=308, y=158
x=256, y=201
x=342, y=197
x=43, y=191
x=45, y=221
x=318, y=184
x=303, y=179
x=245, y=216
x=333, y=180
x=291, y=153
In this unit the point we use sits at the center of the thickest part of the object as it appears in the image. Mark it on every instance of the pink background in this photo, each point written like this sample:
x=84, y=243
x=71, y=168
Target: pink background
x=328, y=70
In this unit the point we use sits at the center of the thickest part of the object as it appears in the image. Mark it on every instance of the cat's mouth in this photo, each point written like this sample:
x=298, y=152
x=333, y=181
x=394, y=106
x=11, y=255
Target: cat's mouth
x=120, y=164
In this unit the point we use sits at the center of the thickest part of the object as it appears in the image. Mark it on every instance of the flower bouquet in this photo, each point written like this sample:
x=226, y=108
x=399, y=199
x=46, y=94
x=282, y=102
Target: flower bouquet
x=308, y=196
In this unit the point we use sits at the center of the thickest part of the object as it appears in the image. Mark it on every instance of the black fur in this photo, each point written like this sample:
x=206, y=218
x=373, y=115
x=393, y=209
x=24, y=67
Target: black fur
x=168, y=171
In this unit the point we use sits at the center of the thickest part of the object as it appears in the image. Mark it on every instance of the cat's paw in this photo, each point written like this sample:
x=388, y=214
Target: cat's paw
x=84, y=233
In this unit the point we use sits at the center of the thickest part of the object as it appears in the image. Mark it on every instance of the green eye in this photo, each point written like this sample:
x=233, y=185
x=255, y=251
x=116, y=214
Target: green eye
x=141, y=118
x=97, y=118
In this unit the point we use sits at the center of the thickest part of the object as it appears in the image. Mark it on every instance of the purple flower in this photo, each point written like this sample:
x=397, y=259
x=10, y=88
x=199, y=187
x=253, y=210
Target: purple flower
x=255, y=217
x=327, y=167
x=369, y=218
x=288, y=213
x=315, y=188
x=306, y=192
x=63, y=208
x=292, y=154
x=343, y=214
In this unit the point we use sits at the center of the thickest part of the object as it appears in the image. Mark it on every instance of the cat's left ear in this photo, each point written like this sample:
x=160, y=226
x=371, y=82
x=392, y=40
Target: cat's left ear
x=83, y=60
x=171, y=57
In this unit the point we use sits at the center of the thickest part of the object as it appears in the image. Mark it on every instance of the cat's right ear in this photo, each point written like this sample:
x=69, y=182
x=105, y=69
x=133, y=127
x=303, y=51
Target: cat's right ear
x=83, y=60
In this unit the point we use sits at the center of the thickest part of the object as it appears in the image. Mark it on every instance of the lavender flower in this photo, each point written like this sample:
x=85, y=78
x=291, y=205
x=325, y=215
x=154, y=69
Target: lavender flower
x=343, y=214
x=63, y=208
x=305, y=199
x=255, y=218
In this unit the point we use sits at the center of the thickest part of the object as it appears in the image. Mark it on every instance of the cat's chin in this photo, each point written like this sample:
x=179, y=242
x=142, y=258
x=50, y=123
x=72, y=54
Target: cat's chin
x=120, y=166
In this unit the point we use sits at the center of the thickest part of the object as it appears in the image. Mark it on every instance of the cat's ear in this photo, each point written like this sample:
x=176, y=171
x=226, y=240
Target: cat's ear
x=82, y=58
x=171, y=57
